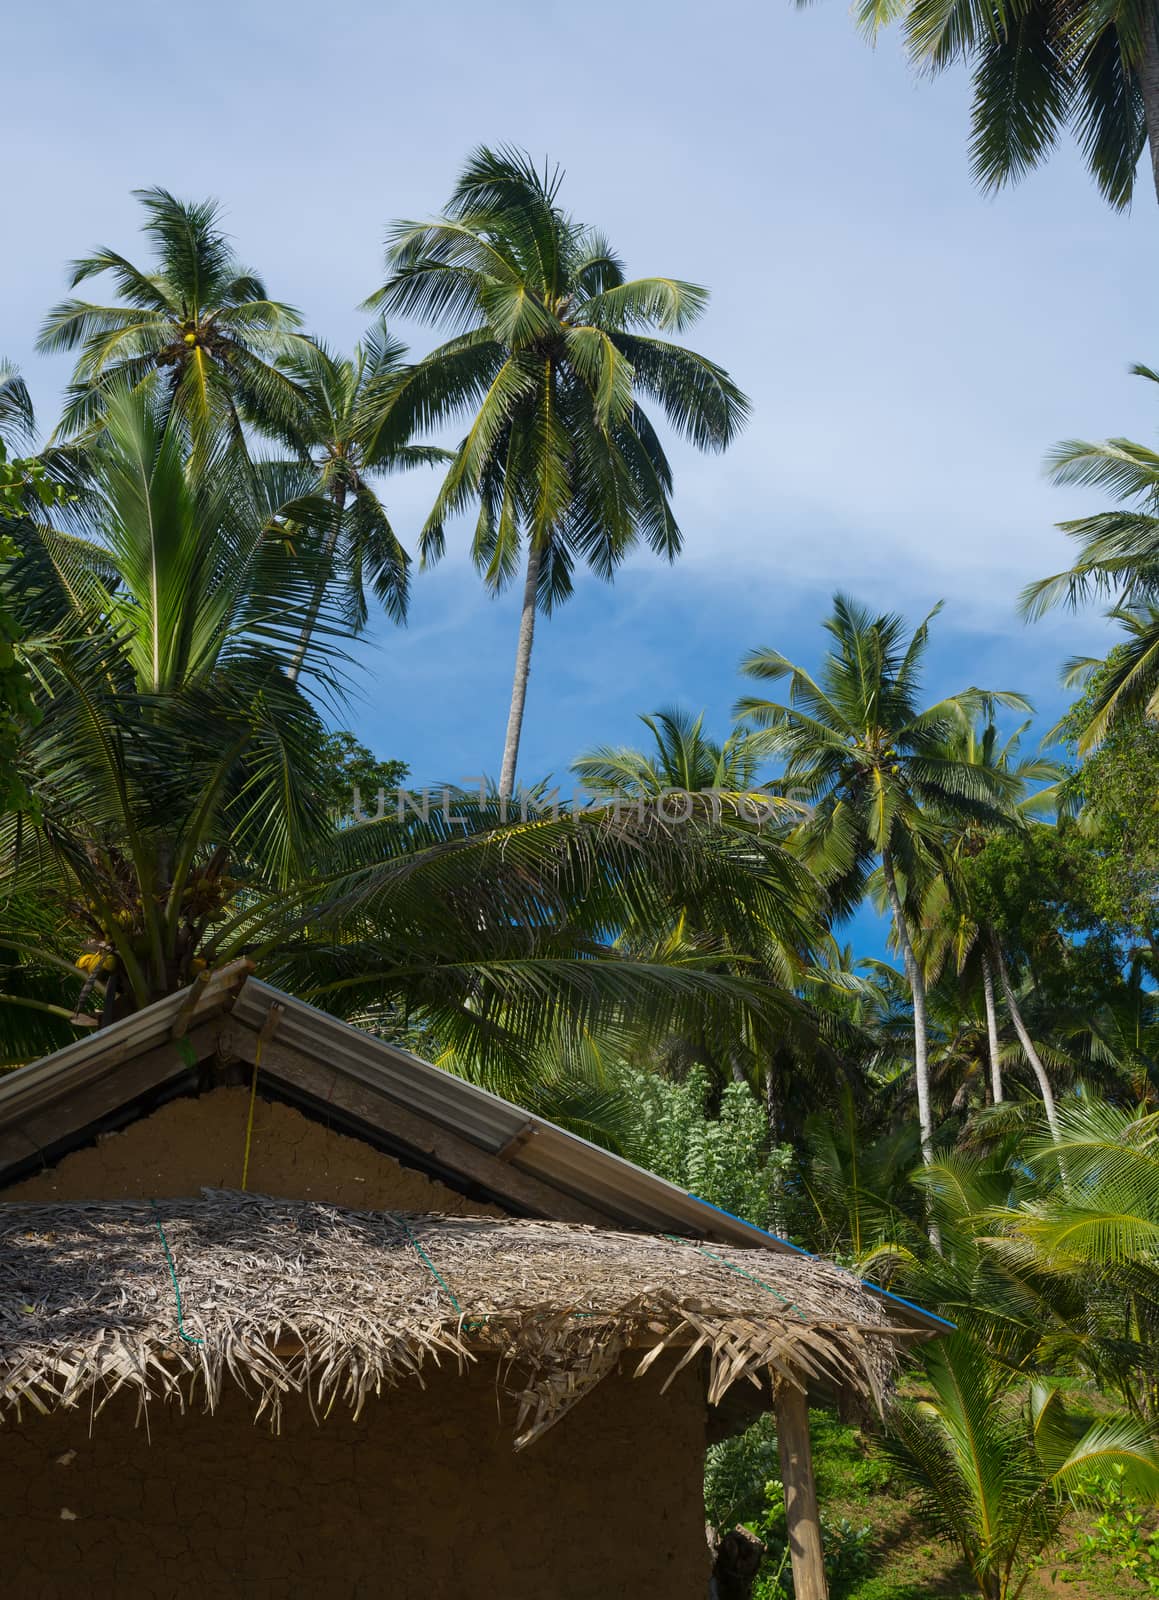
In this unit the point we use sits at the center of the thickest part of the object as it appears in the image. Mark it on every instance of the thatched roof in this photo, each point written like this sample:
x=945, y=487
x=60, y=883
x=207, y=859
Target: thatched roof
x=284, y=1297
x=367, y=1088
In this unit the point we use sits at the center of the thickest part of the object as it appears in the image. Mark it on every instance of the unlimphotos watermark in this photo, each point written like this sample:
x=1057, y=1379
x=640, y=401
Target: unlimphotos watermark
x=670, y=806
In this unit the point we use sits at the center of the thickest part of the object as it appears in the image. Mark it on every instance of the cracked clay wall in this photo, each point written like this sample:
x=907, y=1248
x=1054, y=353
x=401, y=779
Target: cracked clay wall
x=195, y=1143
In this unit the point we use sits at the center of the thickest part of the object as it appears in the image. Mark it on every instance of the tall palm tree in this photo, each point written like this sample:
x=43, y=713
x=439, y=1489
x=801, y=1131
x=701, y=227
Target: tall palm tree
x=950, y=931
x=1118, y=559
x=719, y=782
x=180, y=779
x=1039, y=70
x=340, y=406
x=198, y=316
x=552, y=356
x=167, y=724
x=860, y=749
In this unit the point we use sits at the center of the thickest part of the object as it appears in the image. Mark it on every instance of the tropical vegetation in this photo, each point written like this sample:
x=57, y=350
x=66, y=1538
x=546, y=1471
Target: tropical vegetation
x=969, y=1115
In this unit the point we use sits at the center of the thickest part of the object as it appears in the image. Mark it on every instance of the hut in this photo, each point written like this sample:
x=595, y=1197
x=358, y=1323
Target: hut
x=285, y=1310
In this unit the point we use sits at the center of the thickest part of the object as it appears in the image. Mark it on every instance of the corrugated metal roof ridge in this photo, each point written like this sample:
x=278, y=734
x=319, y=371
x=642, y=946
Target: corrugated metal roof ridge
x=43, y=1079
x=452, y=1093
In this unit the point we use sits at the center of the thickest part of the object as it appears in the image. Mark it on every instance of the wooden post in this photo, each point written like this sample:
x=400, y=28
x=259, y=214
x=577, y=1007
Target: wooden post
x=804, y=1524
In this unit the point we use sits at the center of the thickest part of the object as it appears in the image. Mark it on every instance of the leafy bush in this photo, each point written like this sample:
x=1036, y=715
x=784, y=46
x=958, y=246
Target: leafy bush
x=847, y=1551
x=726, y=1159
x=736, y=1472
x=742, y=1484
x=1121, y=1540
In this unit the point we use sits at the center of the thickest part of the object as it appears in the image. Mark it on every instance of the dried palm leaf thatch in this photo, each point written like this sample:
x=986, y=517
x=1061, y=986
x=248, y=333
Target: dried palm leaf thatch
x=170, y=1298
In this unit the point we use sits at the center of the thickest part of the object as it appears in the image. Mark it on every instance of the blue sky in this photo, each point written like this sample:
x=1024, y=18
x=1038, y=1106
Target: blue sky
x=911, y=346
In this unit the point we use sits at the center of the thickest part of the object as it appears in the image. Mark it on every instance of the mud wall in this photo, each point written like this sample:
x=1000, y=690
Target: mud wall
x=423, y=1497
x=197, y=1142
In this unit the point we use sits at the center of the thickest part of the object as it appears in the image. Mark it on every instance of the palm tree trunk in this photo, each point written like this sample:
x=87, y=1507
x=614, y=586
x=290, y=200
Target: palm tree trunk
x=522, y=671
x=992, y=1028
x=772, y=1102
x=338, y=495
x=1147, y=77
x=1027, y=1044
x=917, y=985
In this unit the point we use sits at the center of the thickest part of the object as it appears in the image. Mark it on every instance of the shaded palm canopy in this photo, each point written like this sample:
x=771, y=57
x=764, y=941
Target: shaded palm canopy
x=950, y=934
x=168, y=737
x=806, y=1053
x=552, y=356
x=1118, y=561
x=683, y=758
x=179, y=778
x=17, y=416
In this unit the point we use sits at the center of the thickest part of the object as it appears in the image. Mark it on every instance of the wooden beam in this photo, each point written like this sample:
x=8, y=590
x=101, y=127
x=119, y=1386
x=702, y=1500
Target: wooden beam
x=515, y=1144
x=441, y=1146
x=801, y=1515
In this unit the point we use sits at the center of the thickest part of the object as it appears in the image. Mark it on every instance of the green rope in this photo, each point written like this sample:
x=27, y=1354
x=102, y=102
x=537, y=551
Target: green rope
x=188, y=1337
x=469, y=1323
x=430, y=1266
x=732, y=1267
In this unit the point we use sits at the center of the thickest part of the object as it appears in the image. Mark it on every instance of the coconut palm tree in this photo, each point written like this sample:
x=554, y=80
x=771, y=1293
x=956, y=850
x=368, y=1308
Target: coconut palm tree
x=1039, y=71
x=688, y=771
x=683, y=760
x=1092, y=1225
x=950, y=932
x=198, y=316
x=857, y=1197
x=1123, y=683
x=553, y=354
x=166, y=723
x=996, y=1463
x=340, y=406
x=493, y=939
x=859, y=748
x=1118, y=560
x=180, y=777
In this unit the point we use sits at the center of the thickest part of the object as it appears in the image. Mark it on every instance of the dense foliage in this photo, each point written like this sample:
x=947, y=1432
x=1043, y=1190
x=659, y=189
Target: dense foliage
x=182, y=568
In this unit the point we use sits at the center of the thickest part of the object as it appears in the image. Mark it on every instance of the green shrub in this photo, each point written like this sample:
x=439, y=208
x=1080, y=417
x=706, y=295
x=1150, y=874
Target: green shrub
x=847, y=1551
x=725, y=1159
x=1121, y=1540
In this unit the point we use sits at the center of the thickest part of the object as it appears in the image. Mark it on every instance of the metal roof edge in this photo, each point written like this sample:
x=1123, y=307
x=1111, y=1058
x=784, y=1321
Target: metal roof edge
x=129, y=1037
x=503, y=1119
x=666, y=1201
x=873, y=1288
